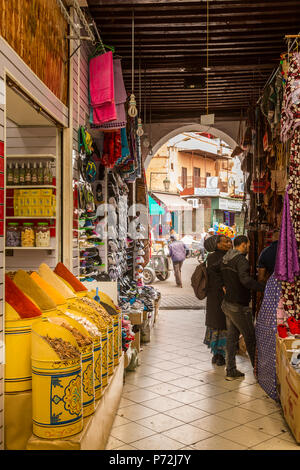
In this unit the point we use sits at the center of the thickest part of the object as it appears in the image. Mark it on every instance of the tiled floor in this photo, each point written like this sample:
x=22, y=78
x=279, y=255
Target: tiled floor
x=176, y=399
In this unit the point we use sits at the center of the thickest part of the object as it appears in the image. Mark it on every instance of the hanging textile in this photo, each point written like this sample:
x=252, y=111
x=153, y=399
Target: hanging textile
x=265, y=331
x=101, y=79
x=287, y=261
x=120, y=100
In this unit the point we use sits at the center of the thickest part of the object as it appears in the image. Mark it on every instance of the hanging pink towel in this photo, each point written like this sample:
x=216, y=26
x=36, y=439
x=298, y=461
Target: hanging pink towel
x=101, y=78
x=106, y=113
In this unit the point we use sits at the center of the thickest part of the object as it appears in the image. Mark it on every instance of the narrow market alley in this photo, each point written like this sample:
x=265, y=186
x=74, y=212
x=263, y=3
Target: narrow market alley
x=176, y=399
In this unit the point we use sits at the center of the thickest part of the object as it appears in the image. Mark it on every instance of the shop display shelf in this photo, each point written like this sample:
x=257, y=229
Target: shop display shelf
x=31, y=186
x=48, y=248
x=48, y=156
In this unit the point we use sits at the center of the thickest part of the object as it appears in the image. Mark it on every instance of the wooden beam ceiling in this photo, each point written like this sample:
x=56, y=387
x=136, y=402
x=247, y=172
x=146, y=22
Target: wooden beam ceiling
x=246, y=39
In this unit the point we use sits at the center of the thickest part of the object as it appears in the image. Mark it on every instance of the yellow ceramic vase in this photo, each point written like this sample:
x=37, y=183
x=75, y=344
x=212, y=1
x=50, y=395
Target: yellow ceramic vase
x=98, y=367
x=57, y=396
x=104, y=341
x=110, y=350
x=116, y=340
x=18, y=355
x=88, y=384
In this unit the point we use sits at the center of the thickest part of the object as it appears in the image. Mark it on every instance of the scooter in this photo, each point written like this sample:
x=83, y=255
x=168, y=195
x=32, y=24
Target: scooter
x=158, y=267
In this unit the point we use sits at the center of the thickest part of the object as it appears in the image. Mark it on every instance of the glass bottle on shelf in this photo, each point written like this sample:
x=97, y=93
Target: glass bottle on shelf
x=28, y=174
x=10, y=174
x=16, y=174
x=40, y=174
x=34, y=174
x=22, y=174
x=46, y=174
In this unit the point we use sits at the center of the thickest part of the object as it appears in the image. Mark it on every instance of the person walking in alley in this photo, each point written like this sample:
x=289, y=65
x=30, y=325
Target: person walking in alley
x=238, y=284
x=177, y=251
x=215, y=336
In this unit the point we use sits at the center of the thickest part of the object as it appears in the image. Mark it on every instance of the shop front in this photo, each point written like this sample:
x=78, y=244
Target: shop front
x=227, y=211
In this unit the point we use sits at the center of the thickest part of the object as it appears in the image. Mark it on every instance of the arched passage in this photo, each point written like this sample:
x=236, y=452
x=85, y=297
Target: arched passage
x=159, y=140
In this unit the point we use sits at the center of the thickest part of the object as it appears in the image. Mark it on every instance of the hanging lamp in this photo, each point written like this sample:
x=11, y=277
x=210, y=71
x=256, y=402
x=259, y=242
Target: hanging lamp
x=132, y=110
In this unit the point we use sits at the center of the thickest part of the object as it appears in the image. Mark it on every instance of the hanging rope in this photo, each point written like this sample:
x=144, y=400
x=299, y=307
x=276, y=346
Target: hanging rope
x=140, y=130
x=132, y=110
x=207, y=52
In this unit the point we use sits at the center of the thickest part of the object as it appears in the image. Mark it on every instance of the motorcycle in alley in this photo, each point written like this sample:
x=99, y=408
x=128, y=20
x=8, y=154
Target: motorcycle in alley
x=158, y=267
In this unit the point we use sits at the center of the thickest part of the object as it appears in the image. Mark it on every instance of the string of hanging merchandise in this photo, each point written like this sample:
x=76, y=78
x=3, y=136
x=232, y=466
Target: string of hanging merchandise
x=275, y=71
x=132, y=110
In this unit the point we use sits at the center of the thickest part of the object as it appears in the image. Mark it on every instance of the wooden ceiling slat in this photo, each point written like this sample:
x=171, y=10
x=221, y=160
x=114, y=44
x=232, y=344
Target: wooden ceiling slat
x=245, y=42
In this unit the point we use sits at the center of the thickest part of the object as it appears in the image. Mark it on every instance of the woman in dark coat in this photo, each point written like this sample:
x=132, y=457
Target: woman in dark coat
x=215, y=337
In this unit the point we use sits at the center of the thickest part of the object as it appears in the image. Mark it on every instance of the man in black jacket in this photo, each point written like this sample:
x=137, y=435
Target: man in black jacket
x=238, y=284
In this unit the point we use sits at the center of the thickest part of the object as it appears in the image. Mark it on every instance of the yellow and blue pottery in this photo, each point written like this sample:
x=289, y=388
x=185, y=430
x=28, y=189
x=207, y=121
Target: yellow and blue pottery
x=88, y=383
x=116, y=339
x=104, y=340
x=57, y=397
x=98, y=367
x=18, y=352
x=110, y=350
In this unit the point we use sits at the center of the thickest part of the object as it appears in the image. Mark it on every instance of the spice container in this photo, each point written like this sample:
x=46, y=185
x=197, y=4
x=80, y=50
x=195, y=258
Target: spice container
x=27, y=234
x=13, y=235
x=42, y=234
x=56, y=382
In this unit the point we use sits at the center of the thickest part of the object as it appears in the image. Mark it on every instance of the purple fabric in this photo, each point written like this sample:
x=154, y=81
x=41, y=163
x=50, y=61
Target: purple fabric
x=265, y=332
x=177, y=251
x=287, y=260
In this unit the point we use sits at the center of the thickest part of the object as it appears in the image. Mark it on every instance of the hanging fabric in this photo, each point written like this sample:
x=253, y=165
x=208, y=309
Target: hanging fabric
x=101, y=79
x=120, y=100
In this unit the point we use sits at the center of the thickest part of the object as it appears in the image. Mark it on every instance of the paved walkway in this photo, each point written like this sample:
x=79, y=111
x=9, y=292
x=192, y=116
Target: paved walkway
x=176, y=399
x=174, y=298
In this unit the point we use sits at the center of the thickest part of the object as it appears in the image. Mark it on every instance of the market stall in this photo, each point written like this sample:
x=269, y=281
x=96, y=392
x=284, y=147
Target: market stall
x=271, y=162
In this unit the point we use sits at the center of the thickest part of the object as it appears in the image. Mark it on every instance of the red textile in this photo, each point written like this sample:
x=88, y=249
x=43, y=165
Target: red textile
x=112, y=148
x=17, y=300
x=63, y=272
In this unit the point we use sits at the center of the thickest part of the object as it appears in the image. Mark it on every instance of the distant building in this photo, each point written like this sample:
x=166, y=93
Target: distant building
x=201, y=172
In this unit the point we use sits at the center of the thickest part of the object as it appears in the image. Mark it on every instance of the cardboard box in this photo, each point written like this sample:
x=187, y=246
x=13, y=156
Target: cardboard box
x=137, y=341
x=136, y=318
x=290, y=390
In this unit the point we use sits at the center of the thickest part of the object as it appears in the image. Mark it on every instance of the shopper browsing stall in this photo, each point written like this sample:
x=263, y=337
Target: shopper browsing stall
x=238, y=284
x=215, y=336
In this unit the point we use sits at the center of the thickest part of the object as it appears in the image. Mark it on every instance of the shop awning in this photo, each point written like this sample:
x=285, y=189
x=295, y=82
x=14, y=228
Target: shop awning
x=154, y=208
x=173, y=202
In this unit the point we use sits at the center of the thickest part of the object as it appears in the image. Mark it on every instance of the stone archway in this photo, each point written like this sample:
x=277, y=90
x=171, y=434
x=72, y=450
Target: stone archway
x=162, y=132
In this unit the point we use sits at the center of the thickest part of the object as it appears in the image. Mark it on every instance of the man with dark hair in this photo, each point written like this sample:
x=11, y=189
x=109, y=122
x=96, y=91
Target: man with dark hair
x=177, y=250
x=267, y=258
x=238, y=284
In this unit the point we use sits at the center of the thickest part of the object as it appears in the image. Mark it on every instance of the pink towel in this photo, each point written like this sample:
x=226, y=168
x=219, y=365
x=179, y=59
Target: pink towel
x=109, y=112
x=101, y=77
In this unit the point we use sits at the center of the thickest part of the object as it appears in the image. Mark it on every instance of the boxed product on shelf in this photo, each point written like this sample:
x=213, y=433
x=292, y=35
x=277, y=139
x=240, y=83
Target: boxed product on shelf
x=46, y=192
